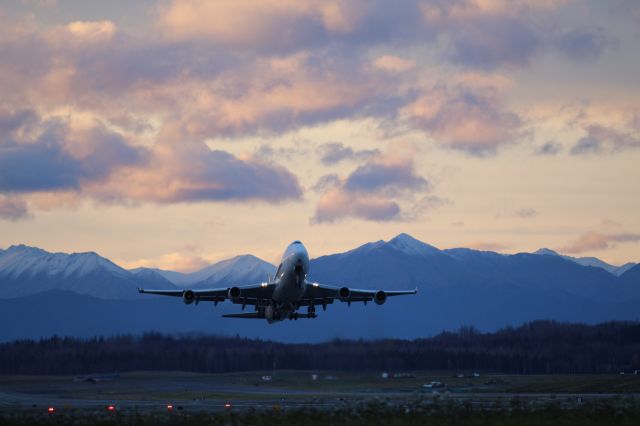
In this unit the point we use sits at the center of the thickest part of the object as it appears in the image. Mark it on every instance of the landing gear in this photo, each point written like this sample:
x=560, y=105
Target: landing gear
x=311, y=309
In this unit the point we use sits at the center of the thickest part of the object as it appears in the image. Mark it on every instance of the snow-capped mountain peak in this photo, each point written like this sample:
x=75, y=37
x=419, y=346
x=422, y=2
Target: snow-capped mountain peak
x=409, y=245
x=25, y=261
x=546, y=251
x=589, y=261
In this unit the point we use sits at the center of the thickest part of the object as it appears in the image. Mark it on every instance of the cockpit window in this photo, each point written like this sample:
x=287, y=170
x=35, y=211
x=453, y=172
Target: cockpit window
x=296, y=242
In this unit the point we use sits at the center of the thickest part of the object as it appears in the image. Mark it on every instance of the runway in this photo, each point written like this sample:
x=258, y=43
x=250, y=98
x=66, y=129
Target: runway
x=146, y=392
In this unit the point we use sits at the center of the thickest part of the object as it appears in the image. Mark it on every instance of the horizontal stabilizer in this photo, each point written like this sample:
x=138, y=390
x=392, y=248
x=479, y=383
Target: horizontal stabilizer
x=251, y=315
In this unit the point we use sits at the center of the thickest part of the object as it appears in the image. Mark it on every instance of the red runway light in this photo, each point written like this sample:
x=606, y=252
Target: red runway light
x=111, y=408
x=227, y=405
x=51, y=410
x=169, y=407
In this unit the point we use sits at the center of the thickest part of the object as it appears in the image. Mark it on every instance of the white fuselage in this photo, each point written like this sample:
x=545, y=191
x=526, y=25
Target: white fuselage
x=290, y=280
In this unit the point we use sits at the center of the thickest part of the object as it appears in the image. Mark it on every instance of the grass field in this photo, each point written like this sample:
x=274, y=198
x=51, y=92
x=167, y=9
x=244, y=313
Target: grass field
x=443, y=414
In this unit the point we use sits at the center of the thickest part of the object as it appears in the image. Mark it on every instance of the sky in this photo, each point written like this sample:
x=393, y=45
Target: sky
x=178, y=133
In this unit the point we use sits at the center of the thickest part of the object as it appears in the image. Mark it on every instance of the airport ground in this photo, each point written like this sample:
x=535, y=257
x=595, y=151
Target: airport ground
x=306, y=397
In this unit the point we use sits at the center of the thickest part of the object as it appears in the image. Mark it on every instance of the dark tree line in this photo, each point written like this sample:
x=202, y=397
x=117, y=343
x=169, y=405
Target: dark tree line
x=540, y=347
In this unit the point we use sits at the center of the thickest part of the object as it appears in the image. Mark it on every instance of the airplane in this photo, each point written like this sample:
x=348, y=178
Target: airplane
x=281, y=297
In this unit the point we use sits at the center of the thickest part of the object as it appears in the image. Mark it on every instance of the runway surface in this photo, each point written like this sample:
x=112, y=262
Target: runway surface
x=146, y=392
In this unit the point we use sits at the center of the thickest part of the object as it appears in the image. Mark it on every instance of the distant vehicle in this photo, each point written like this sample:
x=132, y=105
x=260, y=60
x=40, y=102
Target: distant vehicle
x=280, y=298
x=96, y=378
x=433, y=384
x=266, y=378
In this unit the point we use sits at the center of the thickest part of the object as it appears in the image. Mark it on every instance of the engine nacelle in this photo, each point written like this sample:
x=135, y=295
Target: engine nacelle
x=234, y=293
x=188, y=297
x=344, y=293
x=380, y=297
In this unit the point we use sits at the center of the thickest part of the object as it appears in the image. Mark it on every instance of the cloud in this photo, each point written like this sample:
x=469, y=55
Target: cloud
x=336, y=203
x=392, y=63
x=62, y=158
x=91, y=31
x=489, y=42
x=549, y=148
x=463, y=119
x=326, y=182
x=602, y=139
x=585, y=44
x=13, y=120
x=371, y=192
x=57, y=170
x=101, y=164
x=335, y=152
x=526, y=213
x=289, y=25
x=13, y=208
x=388, y=176
x=174, y=261
x=591, y=241
x=192, y=172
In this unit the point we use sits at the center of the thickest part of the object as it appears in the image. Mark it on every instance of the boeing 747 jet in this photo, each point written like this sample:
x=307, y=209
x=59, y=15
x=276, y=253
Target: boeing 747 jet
x=289, y=290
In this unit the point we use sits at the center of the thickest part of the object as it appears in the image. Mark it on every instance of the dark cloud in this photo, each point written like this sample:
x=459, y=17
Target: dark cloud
x=549, y=148
x=601, y=139
x=591, y=241
x=585, y=44
x=218, y=175
x=387, y=177
x=325, y=182
x=101, y=164
x=13, y=208
x=371, y=192
x=11, y=121
x=58, y=161
x=495, y=41
x=586, y=145
x=335, y=152
x=41, y=166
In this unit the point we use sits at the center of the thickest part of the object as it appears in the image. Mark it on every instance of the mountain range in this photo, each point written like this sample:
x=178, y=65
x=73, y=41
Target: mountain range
x=84, y=294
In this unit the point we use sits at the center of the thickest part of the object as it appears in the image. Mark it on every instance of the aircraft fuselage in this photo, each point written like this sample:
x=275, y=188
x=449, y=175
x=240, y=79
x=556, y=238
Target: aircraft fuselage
x=290, y=280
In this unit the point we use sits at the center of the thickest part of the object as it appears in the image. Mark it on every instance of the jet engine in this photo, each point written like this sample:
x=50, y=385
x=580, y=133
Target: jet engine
x=344, y=293
x=188, y=297
x=234, y=293
x=380, y=297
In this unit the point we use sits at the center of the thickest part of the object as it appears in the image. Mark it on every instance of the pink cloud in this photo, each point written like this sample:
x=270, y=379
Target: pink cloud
x=594, y=241
x=468, y=120
x=13, y=208
x=371, y=192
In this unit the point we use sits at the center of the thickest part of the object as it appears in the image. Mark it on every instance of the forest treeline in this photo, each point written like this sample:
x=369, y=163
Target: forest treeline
x=540, y=347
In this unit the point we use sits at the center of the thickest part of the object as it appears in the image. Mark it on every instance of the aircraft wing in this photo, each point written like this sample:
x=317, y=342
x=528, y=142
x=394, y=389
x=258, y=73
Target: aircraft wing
x=319, y=294
x=246, y=295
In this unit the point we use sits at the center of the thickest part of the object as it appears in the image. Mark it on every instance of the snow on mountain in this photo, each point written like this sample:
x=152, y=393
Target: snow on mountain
x=240, y=270
x=24, y=261
x=401, y=243
x=624, y=268
x=28, y=270
x=589, y=261
x=409, y=245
